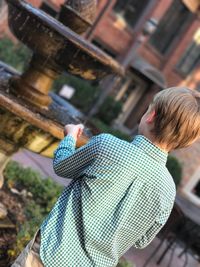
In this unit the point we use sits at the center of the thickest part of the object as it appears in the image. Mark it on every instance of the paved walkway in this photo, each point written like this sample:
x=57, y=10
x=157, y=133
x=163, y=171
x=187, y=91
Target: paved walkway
x=44, y=166
x=39, y=163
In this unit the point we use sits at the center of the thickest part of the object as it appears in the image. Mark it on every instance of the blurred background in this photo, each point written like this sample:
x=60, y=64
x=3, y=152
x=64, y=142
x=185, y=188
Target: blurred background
x=158, y=43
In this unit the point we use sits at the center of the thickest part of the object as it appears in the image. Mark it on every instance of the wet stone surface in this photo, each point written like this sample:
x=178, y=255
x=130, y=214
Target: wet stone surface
x=55, y=112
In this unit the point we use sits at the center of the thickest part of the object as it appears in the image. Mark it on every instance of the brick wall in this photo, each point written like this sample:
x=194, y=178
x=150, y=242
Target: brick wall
x=116, y=35
x=112, y=31
x=111, y=34
x=168, y=64
x=4, y=29
x=169, y=69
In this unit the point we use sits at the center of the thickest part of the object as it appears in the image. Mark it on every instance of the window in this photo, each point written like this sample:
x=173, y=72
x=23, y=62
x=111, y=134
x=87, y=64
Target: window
x=191, y=58
x=48, y=9
x=130, y=10
x=172, y=25
x=196, y=190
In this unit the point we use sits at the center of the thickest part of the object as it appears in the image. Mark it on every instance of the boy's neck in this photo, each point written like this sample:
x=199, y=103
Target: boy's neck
x=149, y=136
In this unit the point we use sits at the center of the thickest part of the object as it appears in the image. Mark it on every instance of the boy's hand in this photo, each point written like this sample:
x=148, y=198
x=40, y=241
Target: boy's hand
x=74, y=130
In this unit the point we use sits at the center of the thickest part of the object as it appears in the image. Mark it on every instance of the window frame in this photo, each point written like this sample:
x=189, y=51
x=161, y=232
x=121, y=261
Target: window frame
x=175, y=38
x=194, y=45
x=129, y=25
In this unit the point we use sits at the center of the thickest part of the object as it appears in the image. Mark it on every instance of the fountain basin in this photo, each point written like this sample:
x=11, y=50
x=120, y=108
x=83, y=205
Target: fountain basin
x=59, y=47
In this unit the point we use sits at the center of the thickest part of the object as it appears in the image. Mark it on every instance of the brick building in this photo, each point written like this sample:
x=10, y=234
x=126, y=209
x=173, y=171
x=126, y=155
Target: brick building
x=170, y=56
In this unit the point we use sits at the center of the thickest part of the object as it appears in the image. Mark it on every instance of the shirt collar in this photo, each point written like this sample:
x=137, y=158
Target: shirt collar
x=148, y=147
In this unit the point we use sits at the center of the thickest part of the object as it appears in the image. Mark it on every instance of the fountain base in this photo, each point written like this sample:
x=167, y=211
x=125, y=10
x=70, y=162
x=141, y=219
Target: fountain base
x=28, y=126
x=23, y=90
x=34, y=84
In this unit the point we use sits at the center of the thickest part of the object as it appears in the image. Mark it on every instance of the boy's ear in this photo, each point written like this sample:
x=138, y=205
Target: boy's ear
x=151, y=116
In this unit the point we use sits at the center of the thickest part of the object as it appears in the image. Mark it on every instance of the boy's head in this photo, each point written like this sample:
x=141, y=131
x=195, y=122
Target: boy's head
x=173, y=118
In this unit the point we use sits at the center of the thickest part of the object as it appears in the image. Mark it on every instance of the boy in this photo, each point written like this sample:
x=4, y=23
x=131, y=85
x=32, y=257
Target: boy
x=121, y=193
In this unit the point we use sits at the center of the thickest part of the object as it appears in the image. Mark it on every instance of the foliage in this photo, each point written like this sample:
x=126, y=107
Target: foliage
x=124, y=263
x=110, y=110
x=26, y=233
x=85, y=96
x=175, y=169
x=85, y=93
x=14, y=55
x=45, y=191
x=107, y=129
x=63, y=79
x=44, y=195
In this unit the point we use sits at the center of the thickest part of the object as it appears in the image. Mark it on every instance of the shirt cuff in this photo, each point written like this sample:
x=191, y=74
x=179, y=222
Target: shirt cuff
x=69, y=140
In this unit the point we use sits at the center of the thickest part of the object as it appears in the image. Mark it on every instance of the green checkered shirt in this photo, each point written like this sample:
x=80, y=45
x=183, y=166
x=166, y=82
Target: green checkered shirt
x=120, y=196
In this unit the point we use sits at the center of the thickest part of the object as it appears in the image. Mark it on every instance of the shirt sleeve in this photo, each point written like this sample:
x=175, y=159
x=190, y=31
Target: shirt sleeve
x=69, y=162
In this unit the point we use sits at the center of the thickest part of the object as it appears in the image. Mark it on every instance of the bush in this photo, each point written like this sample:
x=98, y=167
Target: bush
x=45, y=193
x=15, y=55
x=124, y=263
x=110, y=110
x=85, y=97
x=85, y=94
x=107, y=129
x=175, y=169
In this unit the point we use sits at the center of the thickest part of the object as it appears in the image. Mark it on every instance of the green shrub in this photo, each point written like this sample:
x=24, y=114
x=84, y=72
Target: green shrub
x=45, y=192
x=15, y=55
x=34, y=212
x=124, y=263
x=107, y=129
x=110, y=110
x=24, y=235
x=175, y=169
x=85, y=94
x=85, y=97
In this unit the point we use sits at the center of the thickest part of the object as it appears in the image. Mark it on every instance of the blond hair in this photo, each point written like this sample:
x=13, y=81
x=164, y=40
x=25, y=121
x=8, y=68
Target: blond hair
x=177, y=117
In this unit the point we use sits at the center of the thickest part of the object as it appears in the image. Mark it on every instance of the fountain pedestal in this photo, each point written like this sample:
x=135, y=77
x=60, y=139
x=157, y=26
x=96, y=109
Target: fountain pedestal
x=34, y=84
x=56, y=48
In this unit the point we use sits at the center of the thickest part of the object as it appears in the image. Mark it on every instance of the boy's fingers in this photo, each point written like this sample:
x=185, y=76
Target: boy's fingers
x=80, y=132
x=75, y=129
x=81, y=126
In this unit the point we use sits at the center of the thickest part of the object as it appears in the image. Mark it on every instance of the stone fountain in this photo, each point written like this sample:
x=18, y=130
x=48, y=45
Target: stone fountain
x=28, y=116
